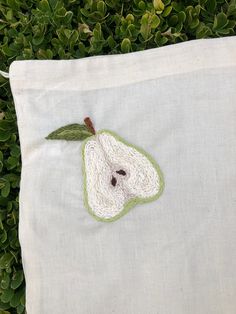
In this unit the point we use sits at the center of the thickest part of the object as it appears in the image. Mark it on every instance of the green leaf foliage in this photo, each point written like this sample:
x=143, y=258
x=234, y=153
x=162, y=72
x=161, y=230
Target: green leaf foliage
x=17, y=279
x=56, y=29
x=71, y=132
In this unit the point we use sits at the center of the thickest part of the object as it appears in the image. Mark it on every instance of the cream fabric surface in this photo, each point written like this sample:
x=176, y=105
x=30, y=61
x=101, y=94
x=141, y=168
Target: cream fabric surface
x=176, y=255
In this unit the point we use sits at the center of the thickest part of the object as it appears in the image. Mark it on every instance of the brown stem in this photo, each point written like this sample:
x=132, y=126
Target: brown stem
x=89, y=125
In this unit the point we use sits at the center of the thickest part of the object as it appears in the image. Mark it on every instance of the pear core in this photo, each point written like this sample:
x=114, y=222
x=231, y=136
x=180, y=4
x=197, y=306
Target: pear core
x=117, y=176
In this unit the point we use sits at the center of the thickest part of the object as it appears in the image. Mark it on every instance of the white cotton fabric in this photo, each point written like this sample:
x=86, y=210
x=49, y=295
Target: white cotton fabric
x=176, y=255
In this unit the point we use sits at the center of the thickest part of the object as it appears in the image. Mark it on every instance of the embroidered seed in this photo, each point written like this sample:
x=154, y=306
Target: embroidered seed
x=121, y=172
x=113, y=181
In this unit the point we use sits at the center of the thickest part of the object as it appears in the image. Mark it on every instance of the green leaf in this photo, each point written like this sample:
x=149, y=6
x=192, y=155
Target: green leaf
x=142, y=5
x=71, y=132
x=7, y=295
x=173, y=20
x=16, y=299
x=145, y=29
x=211, y=5
x=203, y=31
x=6, y=260
x=181, y=17
x=44, y=6
x=12, y=162
x=111, y=42
x=13, y=4
x=20, y=309
x=231, y=8
x=38, y=39
x=3, y=236
x=5, y=187
x=155, y=21
x=178, y=6
x=158, y=5
x=130, y=18
x=42, y=54
x=17, y=279
x=101, y=6
x=15, y=150
x=52, y=3
x=4, y=135
x=194, y=23
x=125, y=45
x=4, y=306
x=5, y=281
x=220, y=21
x=6, y=128
x=167, y=11
x=22, y=299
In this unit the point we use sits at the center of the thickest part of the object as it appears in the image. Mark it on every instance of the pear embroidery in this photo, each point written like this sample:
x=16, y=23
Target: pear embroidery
x=117, y=175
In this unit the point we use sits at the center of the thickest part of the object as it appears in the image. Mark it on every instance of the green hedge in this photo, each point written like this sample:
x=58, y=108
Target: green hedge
x=54, y=29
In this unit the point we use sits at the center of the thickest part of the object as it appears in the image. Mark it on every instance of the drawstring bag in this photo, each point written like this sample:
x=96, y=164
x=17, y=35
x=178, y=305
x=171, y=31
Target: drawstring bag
x=127, y=194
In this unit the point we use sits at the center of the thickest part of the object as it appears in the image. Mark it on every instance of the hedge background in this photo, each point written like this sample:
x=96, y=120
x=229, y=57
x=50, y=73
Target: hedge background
x=55, y=29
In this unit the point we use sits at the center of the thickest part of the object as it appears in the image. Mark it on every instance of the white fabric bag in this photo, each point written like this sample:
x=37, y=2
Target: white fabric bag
x=171, y=255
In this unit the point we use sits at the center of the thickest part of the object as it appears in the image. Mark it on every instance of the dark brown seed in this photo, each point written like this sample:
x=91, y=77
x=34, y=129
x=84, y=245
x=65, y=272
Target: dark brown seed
x=121, y=172
x=113, y=181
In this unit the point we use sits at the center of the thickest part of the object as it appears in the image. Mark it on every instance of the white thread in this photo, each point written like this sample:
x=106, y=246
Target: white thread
x=104, y=156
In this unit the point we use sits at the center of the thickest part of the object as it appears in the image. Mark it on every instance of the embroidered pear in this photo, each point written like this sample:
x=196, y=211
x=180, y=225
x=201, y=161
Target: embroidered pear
x=117, y=175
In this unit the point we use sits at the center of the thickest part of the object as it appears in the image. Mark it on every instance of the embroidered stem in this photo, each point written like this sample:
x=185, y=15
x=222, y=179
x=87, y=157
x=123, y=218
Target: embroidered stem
x=89, y=125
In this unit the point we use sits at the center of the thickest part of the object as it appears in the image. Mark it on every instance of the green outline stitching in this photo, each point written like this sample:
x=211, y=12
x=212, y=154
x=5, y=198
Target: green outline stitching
x=133, y=202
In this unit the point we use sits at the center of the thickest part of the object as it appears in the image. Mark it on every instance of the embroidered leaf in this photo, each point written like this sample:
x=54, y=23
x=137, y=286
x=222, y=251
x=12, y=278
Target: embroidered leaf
x=71, y=132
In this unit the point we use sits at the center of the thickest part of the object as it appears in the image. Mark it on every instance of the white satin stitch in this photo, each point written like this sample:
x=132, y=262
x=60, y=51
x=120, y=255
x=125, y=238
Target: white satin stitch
x=104, y=199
